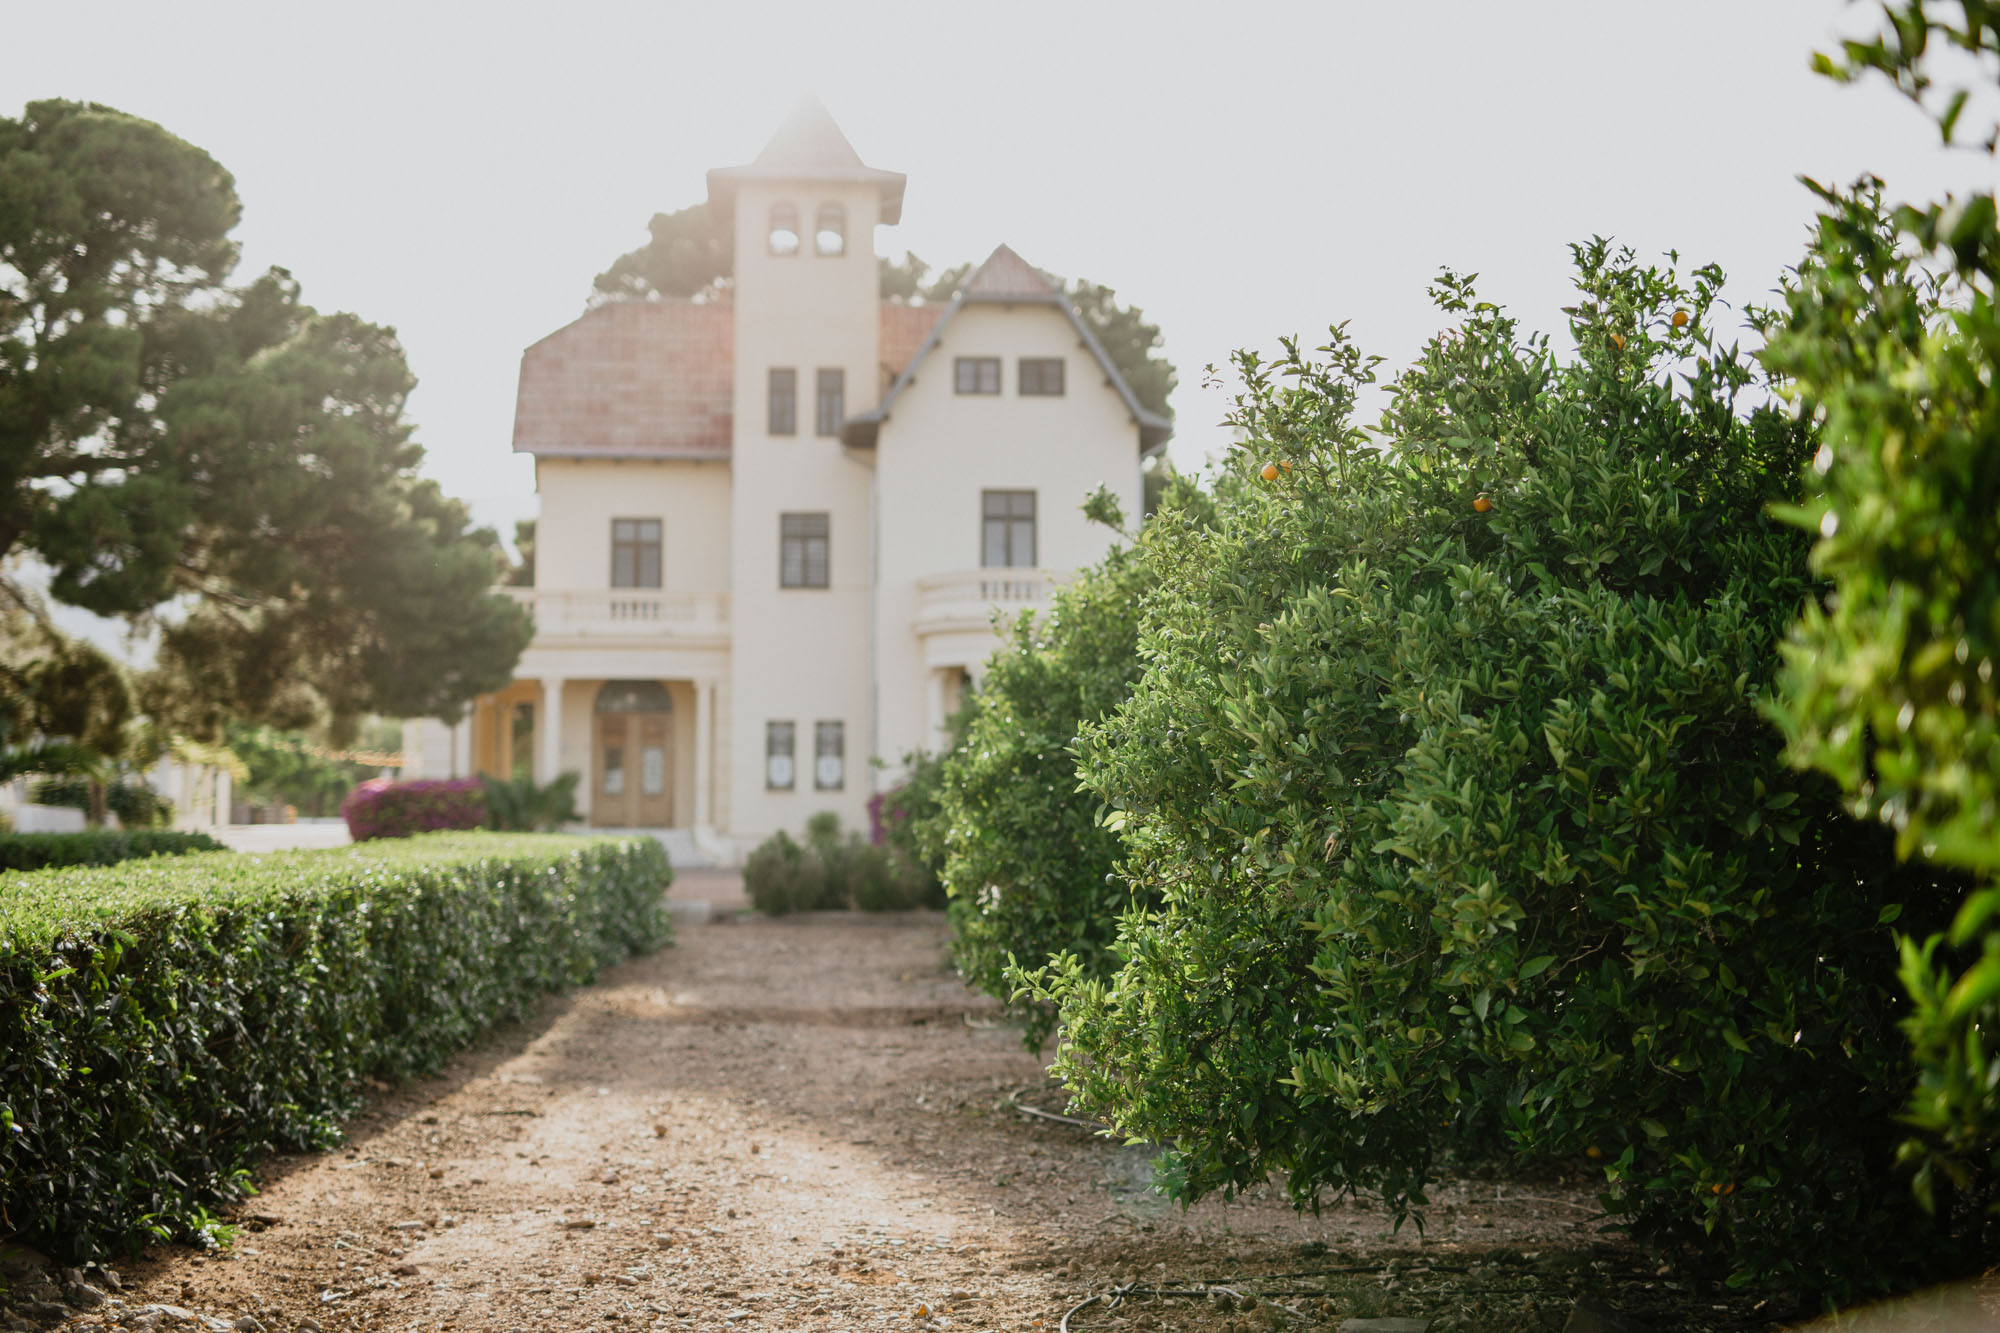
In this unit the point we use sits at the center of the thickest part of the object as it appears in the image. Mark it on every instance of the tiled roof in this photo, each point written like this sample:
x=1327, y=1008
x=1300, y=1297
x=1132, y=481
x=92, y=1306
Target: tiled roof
x=1006, y=276
x=652, y=379
x=631, y=379
x=904, y=329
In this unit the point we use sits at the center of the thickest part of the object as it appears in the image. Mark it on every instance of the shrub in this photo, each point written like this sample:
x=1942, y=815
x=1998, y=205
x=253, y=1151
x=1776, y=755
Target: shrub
x=136, y=805
x=98, y=847
x=382, y=808
x=1028, y=866
x=1448, y=773
x=1891, y=328
x=519, y=806
x=781, y=877
x=908, y=819
x=830, y=872
x=164, y=1024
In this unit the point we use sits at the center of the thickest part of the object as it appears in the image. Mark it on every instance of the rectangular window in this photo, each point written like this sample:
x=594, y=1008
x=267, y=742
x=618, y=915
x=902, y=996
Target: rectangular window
x=635, y=552
x=784, y=409
x=977, y=374
x=832, y=402
x=778, y=774
x=1007, y=529
x=829, y=756
x=1041, y=377
x=802, y=550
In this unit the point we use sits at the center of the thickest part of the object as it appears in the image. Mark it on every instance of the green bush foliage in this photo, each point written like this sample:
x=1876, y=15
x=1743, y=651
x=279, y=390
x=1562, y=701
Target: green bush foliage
x=781, y=877
x=519, y=806
x=829, y=872
x=1448, y=773
x=136, y=805
x=99, y=847
x=164, y=1024
x=1891, y=331
x=1028, y=867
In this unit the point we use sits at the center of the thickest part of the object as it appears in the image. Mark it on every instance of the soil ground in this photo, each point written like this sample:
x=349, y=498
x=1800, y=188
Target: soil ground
x=810, y=1123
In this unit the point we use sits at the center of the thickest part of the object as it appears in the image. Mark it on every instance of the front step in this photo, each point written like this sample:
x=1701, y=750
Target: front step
x=683, y=853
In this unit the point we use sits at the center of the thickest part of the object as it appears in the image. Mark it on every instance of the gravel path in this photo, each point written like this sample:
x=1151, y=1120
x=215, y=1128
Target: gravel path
x=800, y=1124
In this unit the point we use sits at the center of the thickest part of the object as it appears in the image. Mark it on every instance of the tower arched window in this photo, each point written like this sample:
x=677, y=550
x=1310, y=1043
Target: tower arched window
x=784, y=229
x=830, y=230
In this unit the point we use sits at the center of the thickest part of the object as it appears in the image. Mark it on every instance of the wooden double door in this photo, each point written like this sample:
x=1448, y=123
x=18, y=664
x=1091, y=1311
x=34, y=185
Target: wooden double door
x=634, y=761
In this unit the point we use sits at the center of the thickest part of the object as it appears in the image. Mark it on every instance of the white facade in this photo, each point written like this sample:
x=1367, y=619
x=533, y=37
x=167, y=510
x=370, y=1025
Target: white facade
x=719, y=560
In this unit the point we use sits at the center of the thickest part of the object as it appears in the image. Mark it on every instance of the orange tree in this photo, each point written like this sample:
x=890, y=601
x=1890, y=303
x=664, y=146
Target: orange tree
x=1028, y=866
x=1464, y=827
x=1890, y=333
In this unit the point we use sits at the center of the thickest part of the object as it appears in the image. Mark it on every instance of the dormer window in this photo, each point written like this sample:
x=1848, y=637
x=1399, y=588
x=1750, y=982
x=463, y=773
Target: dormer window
x=784, y=229
x=830, y=230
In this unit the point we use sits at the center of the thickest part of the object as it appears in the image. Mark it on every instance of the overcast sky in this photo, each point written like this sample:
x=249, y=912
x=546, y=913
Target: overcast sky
x=461, y=172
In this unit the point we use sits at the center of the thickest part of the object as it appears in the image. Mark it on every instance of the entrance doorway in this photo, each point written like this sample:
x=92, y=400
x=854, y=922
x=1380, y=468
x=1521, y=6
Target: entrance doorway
x=634, y=745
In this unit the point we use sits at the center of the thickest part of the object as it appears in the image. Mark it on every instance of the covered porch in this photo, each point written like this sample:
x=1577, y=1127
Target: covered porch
x=644, y=747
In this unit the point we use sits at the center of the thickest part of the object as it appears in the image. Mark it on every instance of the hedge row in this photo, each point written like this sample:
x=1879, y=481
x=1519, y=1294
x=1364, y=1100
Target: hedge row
x=102, y=847
x=165, y=1024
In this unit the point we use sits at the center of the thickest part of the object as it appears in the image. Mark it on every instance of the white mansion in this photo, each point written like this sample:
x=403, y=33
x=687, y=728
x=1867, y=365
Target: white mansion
x=774, y=530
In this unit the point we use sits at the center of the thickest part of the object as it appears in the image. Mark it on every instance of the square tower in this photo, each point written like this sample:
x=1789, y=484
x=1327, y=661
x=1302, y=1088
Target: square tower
x=801, y=223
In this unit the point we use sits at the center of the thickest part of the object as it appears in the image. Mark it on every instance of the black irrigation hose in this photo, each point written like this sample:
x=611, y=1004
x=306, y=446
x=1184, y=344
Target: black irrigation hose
x=1015, y=1101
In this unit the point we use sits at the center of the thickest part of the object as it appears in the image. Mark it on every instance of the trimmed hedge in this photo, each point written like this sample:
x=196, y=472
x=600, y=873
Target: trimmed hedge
x=383, y=808
x=101, y=847
x=165, y=1024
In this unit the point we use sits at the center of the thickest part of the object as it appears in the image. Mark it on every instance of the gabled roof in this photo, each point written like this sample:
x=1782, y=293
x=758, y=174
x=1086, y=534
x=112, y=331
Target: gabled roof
x=1007, y=279
x=654, y=379
x=808, y=147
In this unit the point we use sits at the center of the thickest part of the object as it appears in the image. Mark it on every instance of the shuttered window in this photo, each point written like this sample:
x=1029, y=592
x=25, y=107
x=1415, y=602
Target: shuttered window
x=635, y=552
x=829, y=756
x=803, y=540
x=784, y=401
x=1007, y=529
x=976, y=374
x=1041, y=377
x=831, y=401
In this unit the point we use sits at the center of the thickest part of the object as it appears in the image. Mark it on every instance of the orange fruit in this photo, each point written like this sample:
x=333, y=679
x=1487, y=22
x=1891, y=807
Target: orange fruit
x=1482, y=504
x=1593, y=1152
x=1618, y=341
x=1680, y=319
x=1270, y=472
x=1286, y=466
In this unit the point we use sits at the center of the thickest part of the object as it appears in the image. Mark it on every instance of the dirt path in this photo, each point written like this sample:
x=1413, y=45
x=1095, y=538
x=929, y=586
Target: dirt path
x=803, y=1124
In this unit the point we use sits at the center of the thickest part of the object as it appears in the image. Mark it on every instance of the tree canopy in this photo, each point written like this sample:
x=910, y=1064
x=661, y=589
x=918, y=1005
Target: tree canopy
x=224, y=460
x=685, y=260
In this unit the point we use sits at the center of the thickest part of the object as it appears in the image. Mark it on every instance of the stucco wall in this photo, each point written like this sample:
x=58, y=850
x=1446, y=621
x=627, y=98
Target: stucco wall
x=800, y=655
x=580, y=498
x=940, y=449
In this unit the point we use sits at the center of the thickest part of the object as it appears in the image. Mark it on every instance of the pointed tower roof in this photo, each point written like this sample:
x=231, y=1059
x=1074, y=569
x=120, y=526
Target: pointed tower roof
x=1007, y=279
x=808, y=147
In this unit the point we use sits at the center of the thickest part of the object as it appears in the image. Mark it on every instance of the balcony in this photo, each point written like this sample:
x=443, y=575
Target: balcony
x=624, y=613
x=966, y=601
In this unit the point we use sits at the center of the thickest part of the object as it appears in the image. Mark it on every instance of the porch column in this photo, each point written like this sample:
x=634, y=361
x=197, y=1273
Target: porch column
x=550, y=730
x=461, y=744
x=704, y=746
